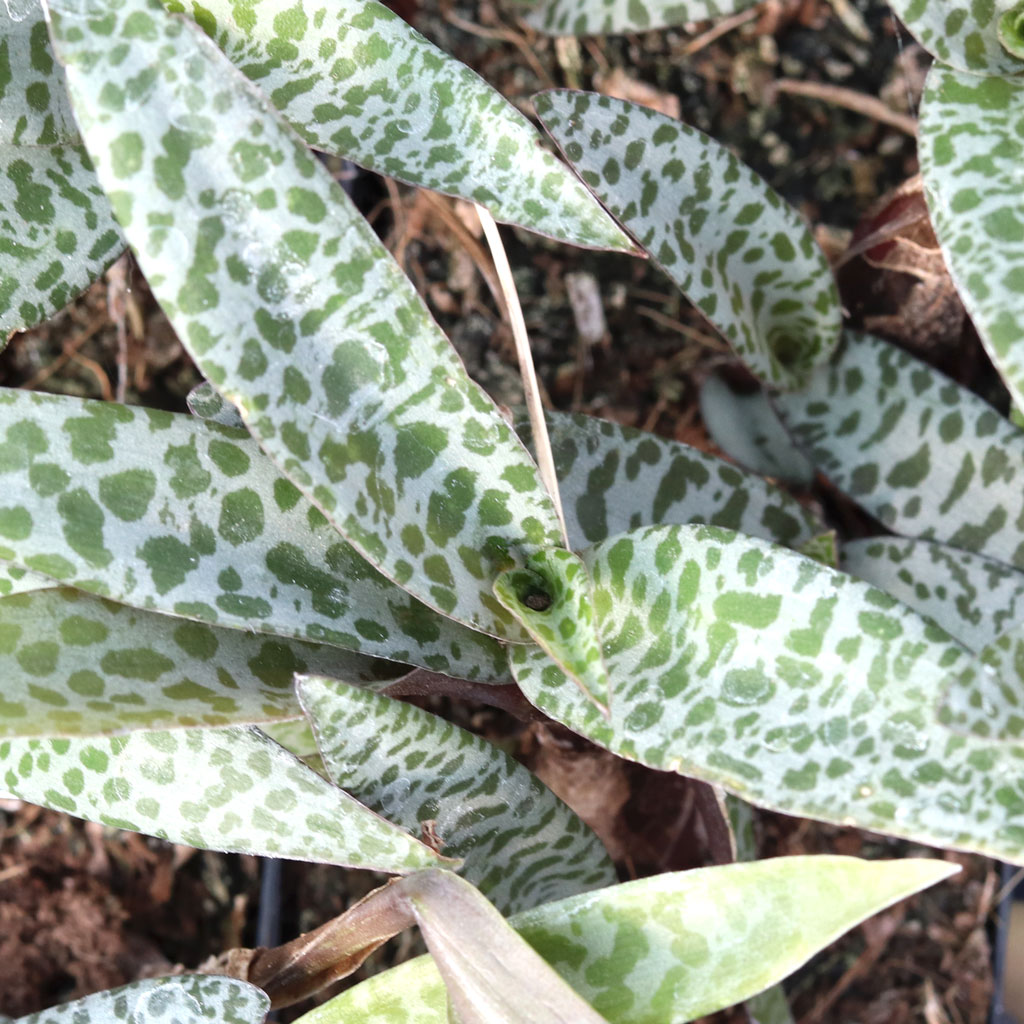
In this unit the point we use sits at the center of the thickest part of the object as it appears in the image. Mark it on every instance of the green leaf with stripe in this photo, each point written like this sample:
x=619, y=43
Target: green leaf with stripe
x=233, y=790
x=613, y=479
x=972, y=150
x=298, y=315
x=738, y=251
x=787, y=683
x=520, y=845
x=354, y=79
x=591, y=17
x=962, y=34
x=672, y=947
x=925, y=456
x=182, y=516
x=75, y=665
x=191, y=999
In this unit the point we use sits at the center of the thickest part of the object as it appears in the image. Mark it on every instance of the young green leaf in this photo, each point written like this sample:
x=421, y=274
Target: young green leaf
x=182, y=516
x=592, y=17
x=748, y=430
x=520, y=845
x=972, y=598
x=972, y=151
x=787, y=683
x=925, y=456
x=553, y=598
x=296, y=313
x=738, y=251
x=75, y=665
x=354, y=79
x=672, y=947
x=190, y=999
x=221, y=789
x=613, y=479
x=963, y=34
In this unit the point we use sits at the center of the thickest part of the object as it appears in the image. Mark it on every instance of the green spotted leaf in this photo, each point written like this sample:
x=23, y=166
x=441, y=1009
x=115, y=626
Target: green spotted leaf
x=613, y=479
x=748, y=430
x=672, y=947
x=972, y=151
x=738, y=251
x=182, y=516
x=354, y=79
x=233, y=790
x=593, y=17
x=553, y=598
x=293, y=309
x=973, y=598
x=206, y=402
x=190, y=999
x=16, y=580
x=76, y=665
x=789, y=684
x=925, y=456
x=963, y=34
x=520, y=845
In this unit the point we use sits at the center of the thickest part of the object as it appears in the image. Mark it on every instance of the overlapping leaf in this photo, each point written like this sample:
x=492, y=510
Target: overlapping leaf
x=922, y=454
x=206, y=402
x=15, y=580
x=74, y=665
x=744, y=257
x=672, y=947
x=787, y=683
x=222, y=789
x=295, y=311
x=590, y=17
x=190, y=999
x=962, y=34
x=520, y=845
x=183, y=516
x=354, y=79
x=972, y=152
x=613, y=479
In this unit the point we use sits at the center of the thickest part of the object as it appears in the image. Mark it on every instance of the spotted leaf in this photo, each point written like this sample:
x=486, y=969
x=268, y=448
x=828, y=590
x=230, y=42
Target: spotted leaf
x=613, y=479
x=182, y=516
x=298, y=315
x=748, y=430
x=689, y=937
x=76, y=665
x=787, y=683
x=206, y=402
x=593, y=17
x=191, y=999
x=738, y=251
x=221, y=789
x=354, y=79
x=553, y=598
x=925, y=456
x=972, y=152
x=964, y=35
x=15, y=580
x=520, y=845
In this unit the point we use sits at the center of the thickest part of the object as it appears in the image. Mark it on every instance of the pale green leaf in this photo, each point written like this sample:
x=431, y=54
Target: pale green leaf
x=520, y=845
x=222, y=789
x=787, y=683
x=748, y=430
x=16, y=580
x=296, y=313
x=553, y=598
x=190, y=999
x=922, y=454
x=182, y=516
x=738, y=251
x=770, y=1007
x=672, y=947
x=354, y=79
x=972, y=155
x=206, y=402
x=592, y=17
x=613, y=479
x=960, y=33
x=75, y=665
